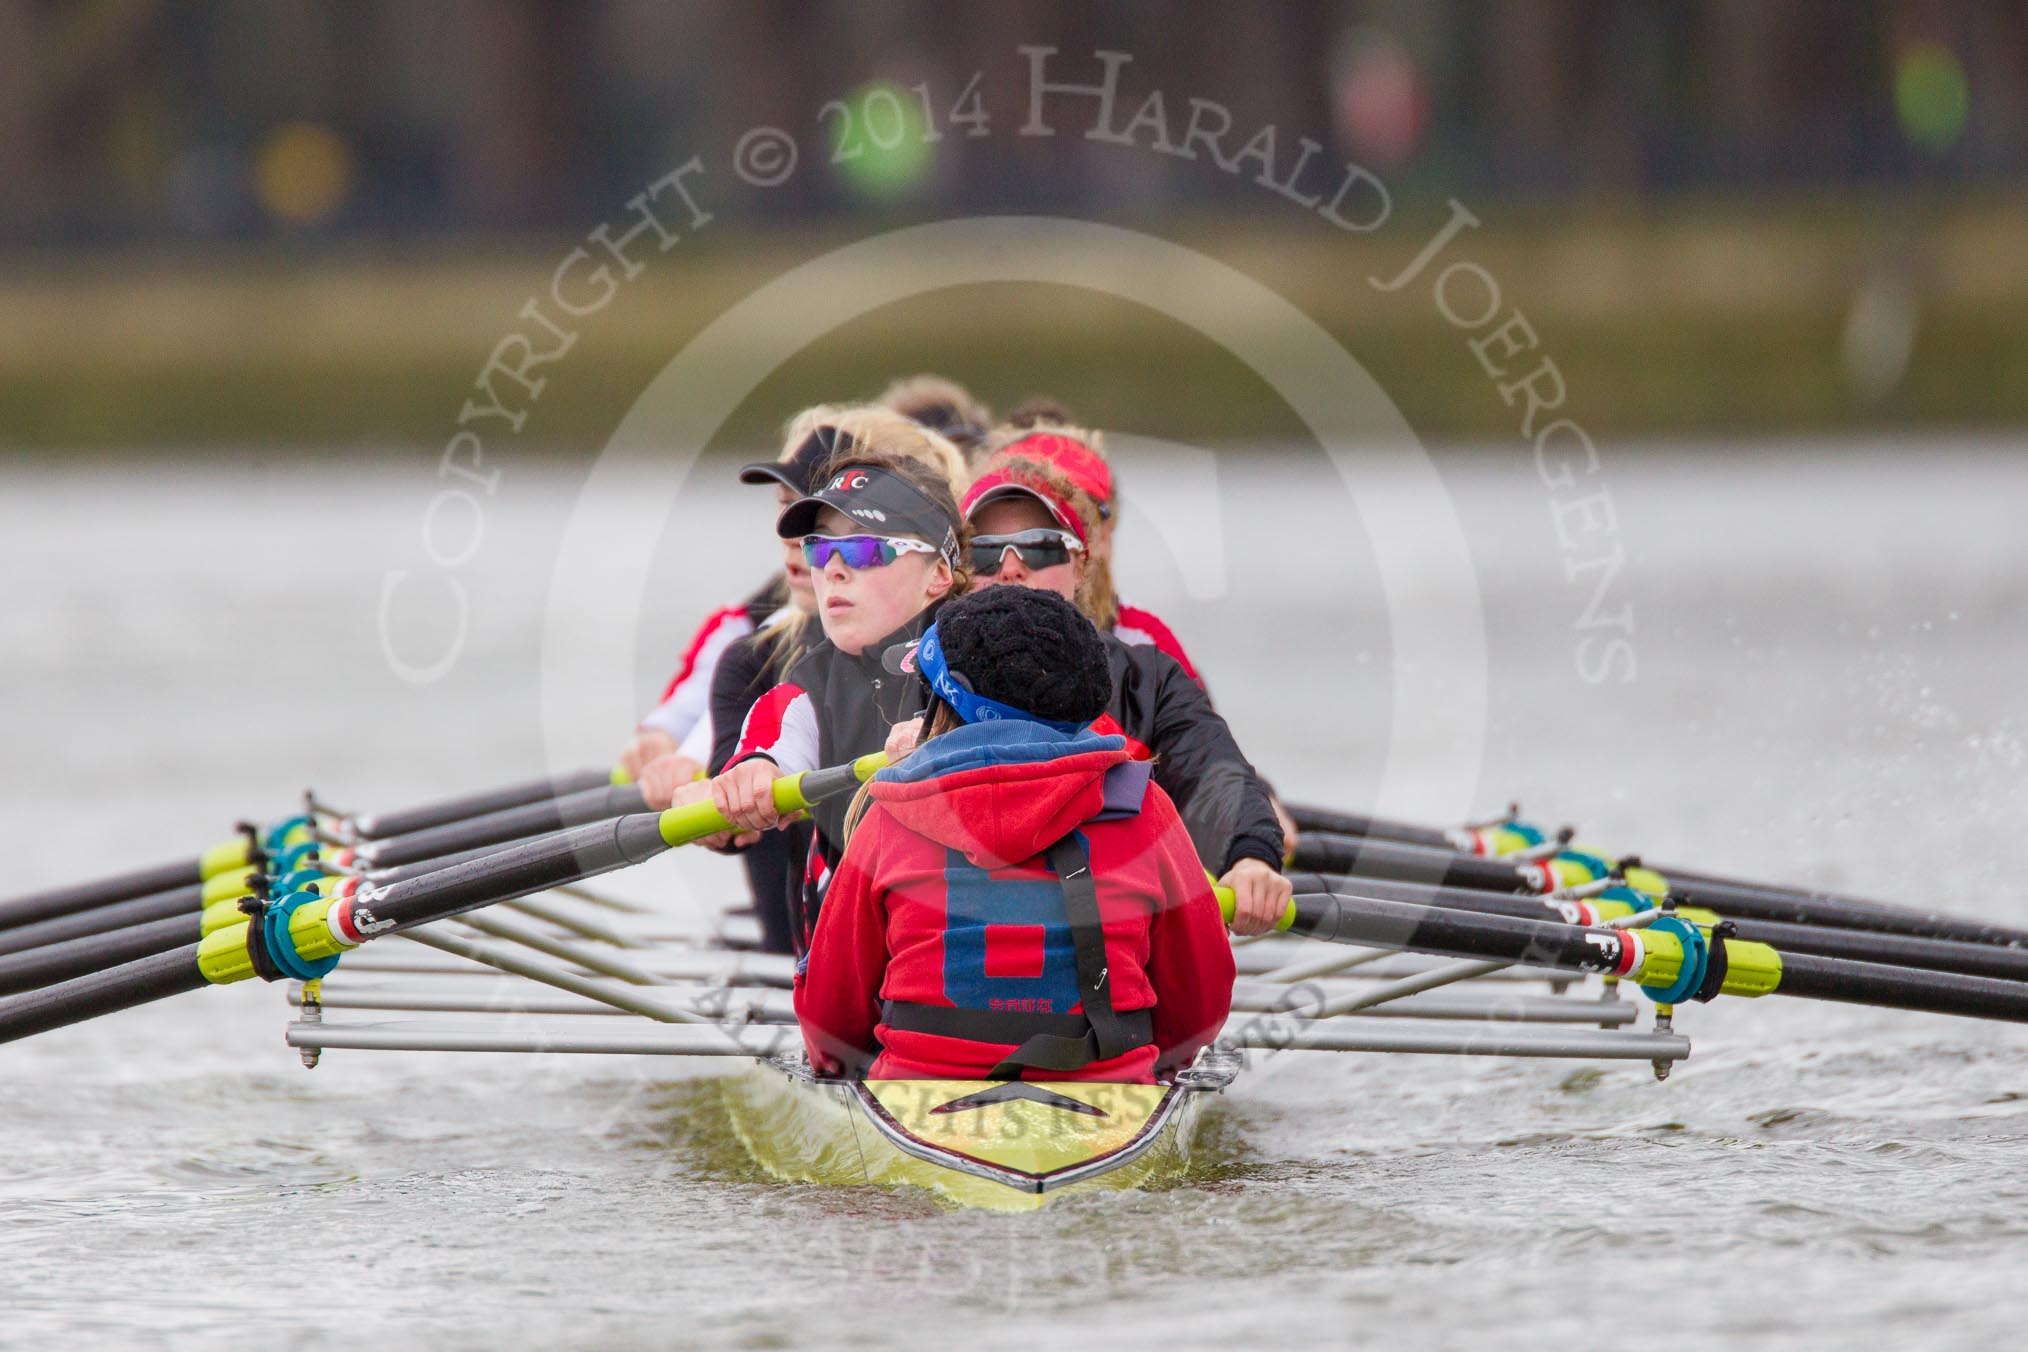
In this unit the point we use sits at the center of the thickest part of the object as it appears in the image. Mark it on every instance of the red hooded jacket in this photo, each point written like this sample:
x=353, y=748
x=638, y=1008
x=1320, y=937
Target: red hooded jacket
x=944, y=898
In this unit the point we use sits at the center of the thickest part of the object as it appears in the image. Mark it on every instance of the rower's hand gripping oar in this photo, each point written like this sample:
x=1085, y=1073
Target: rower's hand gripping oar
x=302, y=935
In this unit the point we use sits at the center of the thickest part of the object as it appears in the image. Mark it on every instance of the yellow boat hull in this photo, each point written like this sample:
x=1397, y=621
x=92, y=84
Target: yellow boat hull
x=997, y=1145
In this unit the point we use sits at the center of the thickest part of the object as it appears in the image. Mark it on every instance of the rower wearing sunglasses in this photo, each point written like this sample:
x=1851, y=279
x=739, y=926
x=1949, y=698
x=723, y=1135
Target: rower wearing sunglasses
x=1031, y=526
x=881, y=536
x=675, y=738
x=1042, y=429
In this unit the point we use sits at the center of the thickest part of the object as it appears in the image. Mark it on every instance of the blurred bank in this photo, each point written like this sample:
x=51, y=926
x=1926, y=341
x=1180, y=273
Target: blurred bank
x=287, y=222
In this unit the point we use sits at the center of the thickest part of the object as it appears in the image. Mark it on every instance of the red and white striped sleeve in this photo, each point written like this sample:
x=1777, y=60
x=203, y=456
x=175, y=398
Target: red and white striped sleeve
x=782, y=725
x=1140, y=626
x=688, y=696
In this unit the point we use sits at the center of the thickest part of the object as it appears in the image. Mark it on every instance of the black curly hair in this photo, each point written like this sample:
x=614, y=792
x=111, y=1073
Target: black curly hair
x=1030, y=649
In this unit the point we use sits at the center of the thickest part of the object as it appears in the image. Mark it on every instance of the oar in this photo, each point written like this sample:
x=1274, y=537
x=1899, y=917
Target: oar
x=301, y=936
x=67, y=946
x=1321, y=819
x=496, y=828
x=1671, y=960
x=1376, y=858
x=180, y=901
x=62, y=947
x=238, y=852
x=403, y=821
x=1939, y=955
x=1509, y=836
x=245, y=849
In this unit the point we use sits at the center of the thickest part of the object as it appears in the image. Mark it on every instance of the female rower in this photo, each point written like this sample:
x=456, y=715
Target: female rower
x=1032, y=526
x=942, y=405
x=1018, y=900
x=882, y=537
x=678, y=730
x=775, y=860
x=1040, y=429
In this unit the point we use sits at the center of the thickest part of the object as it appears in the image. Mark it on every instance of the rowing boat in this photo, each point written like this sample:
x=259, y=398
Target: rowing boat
x=1503, y=942
x=996, y=1145
x=526, y=985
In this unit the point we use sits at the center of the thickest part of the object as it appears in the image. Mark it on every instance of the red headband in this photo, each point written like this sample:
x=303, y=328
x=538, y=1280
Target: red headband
x=1003, y=482
x=1080, y=463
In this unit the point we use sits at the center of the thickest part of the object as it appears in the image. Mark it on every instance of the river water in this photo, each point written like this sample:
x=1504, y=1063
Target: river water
x=1827, y=643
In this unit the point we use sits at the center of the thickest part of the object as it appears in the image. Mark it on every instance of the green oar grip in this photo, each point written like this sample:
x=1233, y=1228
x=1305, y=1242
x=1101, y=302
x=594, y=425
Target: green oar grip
x=1227, y=903
x=793, y=793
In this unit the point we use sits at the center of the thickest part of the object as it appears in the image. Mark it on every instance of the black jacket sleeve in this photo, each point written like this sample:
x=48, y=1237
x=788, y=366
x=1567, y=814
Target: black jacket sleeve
x=744, y=674
x=1222, y=801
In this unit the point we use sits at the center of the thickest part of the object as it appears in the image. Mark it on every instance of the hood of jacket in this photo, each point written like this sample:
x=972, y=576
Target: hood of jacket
x=1003, y=792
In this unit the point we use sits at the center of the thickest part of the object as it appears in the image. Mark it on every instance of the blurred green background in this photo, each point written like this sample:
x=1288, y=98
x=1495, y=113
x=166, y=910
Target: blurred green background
x=280, y=222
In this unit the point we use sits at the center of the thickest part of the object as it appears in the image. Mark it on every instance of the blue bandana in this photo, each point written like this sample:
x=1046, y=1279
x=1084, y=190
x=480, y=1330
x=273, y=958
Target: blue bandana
x=949, y=687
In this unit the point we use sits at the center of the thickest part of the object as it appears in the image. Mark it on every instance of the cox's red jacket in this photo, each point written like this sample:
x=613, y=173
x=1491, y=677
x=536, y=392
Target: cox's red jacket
x=943, y=897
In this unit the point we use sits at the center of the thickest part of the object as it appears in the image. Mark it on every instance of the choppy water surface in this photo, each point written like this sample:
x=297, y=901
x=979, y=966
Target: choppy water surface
x=1829, y=647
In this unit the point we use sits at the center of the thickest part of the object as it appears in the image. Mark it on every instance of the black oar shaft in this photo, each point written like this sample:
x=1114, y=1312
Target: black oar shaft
x=103, y=919
x=377, y=909
x=518, y=871
x=494, y=828
x=84, y=896
x=104, y=992
x=402, y=821
x=1371, y=858
x=430, y=865
x=1330, y=840
x=1871, y=983
x=1367, y=857
x=1897, y=950
x=522, y=870
x=1940, y=955
x=1345, y=919
x=1352, y=919
x=1751, y=903
x=1308, y=819
x=60, y=962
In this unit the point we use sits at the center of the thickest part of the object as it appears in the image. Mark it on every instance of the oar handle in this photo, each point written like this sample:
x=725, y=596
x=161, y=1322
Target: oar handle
x=1228, y=903
x=303, y=933
x=793, y=793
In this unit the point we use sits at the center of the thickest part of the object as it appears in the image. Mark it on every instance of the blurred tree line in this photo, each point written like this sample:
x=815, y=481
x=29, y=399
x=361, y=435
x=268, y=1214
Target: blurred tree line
x=145, y=121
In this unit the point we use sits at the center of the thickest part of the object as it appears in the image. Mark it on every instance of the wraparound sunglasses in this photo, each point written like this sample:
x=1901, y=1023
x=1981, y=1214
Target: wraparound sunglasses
x=861, y=551
x=1038, y=548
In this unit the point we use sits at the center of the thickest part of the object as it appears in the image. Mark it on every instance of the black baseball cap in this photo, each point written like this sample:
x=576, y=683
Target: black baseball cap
x=880, y=500
x=798, y=469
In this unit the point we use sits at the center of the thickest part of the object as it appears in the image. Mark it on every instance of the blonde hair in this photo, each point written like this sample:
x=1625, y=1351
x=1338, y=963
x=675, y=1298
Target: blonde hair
x=938, y=403
x=783, y=640
x=887, y=436
x=887, y=440
x=938, y=719
x=1040, y=410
